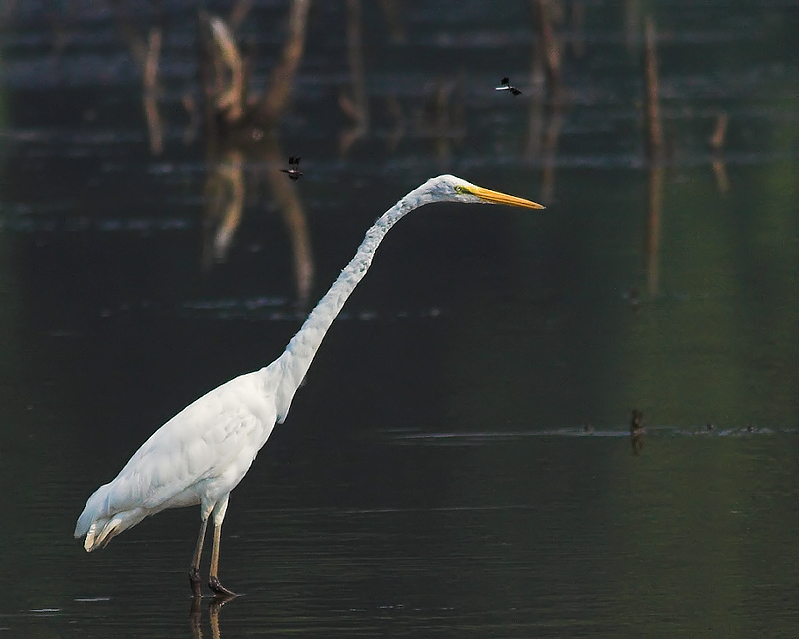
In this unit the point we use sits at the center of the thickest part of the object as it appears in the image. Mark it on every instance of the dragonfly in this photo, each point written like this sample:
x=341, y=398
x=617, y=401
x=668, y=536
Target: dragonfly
x=293, y=171
x=507, y=86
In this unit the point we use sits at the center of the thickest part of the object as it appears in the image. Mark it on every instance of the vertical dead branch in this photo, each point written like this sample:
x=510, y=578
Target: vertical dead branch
x=224, y=202
x=146, y=55
x=720, y=173
x=288, y=201
x=354, y=102
x=720, y=133
x=654, y=137
x=549, y=152
x=535, y=125
x=273, y=104
x=223, y=77
x=227, y=87
x=550, y=47
x=546, y=117
x=653, y=224
x=151, y=92
x=195, y=120
x=653, y=144
x=717, y=161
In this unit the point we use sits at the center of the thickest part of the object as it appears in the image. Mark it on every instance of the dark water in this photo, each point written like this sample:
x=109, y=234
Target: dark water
x=459, y=462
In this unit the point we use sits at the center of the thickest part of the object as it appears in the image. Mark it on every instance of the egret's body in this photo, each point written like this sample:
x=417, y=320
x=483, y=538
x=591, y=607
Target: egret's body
x=202, y=453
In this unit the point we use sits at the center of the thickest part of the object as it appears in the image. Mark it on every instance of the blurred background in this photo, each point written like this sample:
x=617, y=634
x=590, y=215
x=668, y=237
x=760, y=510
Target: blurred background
x=524, y=423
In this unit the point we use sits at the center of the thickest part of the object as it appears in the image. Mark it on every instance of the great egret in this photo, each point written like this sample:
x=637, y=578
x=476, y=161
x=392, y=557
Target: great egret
x=204, y=451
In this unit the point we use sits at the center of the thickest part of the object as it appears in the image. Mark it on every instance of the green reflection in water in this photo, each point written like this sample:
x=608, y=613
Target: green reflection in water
x=706, y=525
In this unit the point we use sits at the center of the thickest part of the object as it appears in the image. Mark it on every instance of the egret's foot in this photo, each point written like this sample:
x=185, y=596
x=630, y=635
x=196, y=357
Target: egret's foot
x=219, y=589
x=195, y=582
x=218, y=601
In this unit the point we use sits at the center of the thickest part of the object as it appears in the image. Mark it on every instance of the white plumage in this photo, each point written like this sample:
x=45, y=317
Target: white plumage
x=202, y=453
x=197, y=457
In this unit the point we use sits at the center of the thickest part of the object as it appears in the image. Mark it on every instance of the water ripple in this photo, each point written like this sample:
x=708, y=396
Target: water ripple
x=470, y=438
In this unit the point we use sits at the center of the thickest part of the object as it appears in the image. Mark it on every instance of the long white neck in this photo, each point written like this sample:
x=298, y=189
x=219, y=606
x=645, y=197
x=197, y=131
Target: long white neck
x=297, y=358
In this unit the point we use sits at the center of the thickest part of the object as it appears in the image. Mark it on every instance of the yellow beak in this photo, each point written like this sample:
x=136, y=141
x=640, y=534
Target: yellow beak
x=495, y=197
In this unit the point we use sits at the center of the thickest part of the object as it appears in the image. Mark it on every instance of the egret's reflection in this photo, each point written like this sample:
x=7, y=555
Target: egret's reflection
x=195, y=615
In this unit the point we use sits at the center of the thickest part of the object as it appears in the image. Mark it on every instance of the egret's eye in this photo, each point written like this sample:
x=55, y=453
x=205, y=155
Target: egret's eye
x=460, y=189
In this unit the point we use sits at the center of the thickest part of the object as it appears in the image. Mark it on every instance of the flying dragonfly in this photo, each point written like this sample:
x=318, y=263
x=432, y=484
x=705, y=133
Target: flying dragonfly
x=506, y=86
x=294, y=168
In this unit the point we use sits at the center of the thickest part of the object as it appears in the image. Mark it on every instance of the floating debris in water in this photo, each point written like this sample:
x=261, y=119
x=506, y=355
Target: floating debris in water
x=637, y=421
x=293, y=171
x=637, y=431
x=45, y=611
x=634, y=298
x=506, y=86
x=91, y=599
x=228, y=303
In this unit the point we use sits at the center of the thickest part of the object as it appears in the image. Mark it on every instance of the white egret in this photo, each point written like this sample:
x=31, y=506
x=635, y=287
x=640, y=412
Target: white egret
x=202, y=453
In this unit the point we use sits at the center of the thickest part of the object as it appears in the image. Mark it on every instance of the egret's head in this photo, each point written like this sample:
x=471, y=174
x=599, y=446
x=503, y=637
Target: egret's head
x=449, y=188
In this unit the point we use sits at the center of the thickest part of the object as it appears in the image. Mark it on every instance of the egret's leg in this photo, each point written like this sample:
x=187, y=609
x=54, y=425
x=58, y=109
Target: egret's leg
x=213, y=580
x=194, y=573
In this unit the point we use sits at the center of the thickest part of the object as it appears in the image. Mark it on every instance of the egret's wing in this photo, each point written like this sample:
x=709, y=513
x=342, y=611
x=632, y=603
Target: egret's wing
x=199, y=455
x=227, y=447
x=219, y=434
